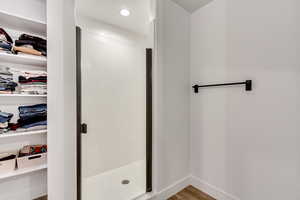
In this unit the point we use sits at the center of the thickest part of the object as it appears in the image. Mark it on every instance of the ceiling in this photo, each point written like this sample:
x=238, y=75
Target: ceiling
x=192, y=5
x=108, y=11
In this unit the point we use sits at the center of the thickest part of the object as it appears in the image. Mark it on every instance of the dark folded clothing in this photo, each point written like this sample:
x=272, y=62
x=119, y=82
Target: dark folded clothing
x=33, y=38
x=33, y=108
x=31, y=120
x=30, y=116
x=35, y=112
x=35, y=124
x=8, y=87
x=28, y=122
x=27, y=116
x=10, y=157
x=36, y=45
x=33, y=81
x=42, y=79
x=5, y=117
x=7, y=84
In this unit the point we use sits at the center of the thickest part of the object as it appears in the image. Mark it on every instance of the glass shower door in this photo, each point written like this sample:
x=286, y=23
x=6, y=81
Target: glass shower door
x=114, y=117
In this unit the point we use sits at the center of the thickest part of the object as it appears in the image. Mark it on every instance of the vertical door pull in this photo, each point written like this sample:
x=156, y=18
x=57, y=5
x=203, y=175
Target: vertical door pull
x=84, y=128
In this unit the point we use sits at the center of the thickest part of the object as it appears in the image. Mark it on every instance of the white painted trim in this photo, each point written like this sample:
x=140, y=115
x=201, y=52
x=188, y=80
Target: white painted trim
x=211, y=190
x=172, y=189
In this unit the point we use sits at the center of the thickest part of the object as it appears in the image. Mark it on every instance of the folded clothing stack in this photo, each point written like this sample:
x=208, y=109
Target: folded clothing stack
x=26, y=44
x=33, y=89
x=4, y=121
x=31, y=117
x=5, y=40
x=7, y=85
x=34, y=42
x=32, y=150
x=33, y=82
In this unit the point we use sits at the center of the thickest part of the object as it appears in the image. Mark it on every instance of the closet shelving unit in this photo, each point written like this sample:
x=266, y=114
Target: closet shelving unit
x=22, y=172
x=17, y=23
x=22, y=133
x=23, y=59
x=22, y=95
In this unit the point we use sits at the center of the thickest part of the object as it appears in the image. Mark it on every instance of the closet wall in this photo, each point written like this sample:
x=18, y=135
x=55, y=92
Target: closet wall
x=17, y=17
x=61, y=100
x=247, y=144
x=171, y=96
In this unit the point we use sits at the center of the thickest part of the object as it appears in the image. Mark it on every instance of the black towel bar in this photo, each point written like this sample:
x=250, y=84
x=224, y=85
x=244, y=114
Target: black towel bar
x=247, y=83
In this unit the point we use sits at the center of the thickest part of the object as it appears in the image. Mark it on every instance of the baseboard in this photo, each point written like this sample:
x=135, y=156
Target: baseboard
x=211, y=190
x=172, y=189
x=207, y=188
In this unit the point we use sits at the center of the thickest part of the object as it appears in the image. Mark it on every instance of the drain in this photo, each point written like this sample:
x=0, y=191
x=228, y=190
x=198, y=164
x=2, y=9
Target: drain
x=125, y=182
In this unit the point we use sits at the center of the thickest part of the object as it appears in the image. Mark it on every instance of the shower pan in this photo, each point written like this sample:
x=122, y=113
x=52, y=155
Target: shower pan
x=114, y=111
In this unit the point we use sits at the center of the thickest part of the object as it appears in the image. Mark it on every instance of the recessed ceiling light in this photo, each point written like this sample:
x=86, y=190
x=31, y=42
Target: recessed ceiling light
x=125, y=12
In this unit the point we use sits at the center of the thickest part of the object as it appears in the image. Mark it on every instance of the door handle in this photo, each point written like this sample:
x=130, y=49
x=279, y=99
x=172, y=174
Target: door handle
x=84, y=128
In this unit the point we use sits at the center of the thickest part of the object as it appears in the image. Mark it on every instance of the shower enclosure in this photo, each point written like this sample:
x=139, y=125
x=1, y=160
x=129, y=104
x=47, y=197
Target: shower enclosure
x=114, y=88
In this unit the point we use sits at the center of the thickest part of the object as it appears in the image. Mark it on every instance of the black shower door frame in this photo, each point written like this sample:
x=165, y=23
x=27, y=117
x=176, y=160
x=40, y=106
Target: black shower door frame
x=82, y=128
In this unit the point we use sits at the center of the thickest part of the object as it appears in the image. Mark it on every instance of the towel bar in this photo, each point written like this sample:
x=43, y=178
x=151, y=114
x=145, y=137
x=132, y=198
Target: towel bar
x=247, y=83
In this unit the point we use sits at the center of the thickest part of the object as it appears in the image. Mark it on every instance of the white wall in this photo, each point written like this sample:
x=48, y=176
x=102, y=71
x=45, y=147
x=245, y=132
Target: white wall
x=247, y=144
x=113, y=97
x=171, y=93
x=209, y=107
x=61, y=100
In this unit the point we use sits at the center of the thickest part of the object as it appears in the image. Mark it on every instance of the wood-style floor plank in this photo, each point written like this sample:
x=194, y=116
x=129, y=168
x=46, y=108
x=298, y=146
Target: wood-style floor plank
x=191, y=193
x=42, y=198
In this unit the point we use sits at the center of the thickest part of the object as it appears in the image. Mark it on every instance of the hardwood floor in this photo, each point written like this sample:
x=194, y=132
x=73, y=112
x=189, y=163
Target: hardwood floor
x=41, y=198
x=191, y=193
